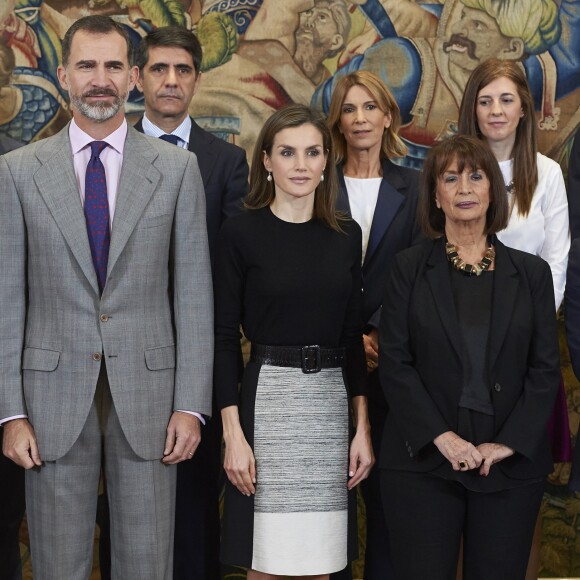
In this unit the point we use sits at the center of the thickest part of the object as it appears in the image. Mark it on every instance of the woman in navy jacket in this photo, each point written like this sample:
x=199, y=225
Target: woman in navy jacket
x=364, y=119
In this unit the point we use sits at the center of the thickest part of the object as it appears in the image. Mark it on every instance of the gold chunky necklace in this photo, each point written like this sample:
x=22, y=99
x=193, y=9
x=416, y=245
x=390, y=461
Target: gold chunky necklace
x=469, y=269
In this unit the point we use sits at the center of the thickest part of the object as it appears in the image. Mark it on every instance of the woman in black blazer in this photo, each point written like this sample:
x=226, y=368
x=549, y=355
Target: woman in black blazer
x=469, y=362
x=364, y=119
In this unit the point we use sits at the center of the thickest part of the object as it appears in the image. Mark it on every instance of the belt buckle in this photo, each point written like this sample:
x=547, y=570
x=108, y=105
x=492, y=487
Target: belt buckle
x=311, y=359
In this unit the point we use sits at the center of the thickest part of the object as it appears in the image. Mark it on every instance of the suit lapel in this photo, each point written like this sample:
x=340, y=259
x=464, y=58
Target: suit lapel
x=138, y=182
x=57, y=184
x=389, y=201
x=505, y=292
x=439, y=281
x=200, y=144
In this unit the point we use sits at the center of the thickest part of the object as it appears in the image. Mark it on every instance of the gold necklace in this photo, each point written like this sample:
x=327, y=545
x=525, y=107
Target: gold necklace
x=469, y=269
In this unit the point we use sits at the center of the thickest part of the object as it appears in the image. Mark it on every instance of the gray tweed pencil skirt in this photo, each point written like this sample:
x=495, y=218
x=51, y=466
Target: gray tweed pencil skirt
x=301, y=438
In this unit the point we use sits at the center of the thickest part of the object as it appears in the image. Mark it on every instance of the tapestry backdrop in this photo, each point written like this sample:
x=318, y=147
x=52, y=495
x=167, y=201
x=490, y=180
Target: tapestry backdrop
x=261, y=54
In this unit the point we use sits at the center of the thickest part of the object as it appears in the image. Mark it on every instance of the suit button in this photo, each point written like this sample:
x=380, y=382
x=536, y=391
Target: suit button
x=104, y=317
x=97, y=356
x=497, y=387
x=411, y=455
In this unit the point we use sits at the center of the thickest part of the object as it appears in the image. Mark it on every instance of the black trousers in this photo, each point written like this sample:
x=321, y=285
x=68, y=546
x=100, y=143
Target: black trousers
x=378, y=565
x=11, y=513
x=197, y=523
x=427, y=516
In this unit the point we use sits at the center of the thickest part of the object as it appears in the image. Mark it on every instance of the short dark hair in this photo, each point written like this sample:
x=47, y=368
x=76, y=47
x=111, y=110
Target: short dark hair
x=171, y=36
x=95, y=24
x=262, y=192
x=467, y=152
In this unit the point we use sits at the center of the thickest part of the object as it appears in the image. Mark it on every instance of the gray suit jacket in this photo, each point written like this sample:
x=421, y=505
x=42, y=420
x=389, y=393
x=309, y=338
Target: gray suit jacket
x=153, y=323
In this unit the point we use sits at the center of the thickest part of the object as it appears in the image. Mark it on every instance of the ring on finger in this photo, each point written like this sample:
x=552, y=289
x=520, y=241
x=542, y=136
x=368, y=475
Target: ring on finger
x=463, y=464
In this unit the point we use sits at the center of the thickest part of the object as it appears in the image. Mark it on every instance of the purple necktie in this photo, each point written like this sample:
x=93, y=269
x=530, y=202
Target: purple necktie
x=97, y=212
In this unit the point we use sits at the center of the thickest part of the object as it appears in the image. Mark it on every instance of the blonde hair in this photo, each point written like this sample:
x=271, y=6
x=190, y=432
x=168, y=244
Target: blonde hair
x=392, y=145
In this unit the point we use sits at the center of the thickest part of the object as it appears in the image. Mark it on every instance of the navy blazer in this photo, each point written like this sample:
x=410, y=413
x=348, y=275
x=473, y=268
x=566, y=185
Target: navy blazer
x=394, y=228
x=422, y=361
x=224, y=171
x=7, y=144
x=573, y=188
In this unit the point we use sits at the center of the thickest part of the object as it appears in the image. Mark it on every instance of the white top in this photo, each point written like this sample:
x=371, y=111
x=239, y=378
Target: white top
x=545, y=231
x=362, y=198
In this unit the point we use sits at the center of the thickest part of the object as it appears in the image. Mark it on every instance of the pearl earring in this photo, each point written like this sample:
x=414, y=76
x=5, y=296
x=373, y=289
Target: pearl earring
x=269, y=178
x=322, y=177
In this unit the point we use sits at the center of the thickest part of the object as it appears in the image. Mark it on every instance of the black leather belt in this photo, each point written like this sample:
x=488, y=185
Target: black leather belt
x=311, y=359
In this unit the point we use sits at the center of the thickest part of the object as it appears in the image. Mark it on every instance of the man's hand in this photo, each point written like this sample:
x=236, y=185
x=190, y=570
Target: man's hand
x=20, y=443
x=183, y=437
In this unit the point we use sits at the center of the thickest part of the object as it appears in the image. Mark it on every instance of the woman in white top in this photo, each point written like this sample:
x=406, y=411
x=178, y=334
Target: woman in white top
x=381, y=197
x=498, y=107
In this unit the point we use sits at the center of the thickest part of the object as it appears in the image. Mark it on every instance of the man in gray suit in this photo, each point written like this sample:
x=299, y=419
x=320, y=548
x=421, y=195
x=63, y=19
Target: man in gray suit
x=11, y=482
x=106, y=337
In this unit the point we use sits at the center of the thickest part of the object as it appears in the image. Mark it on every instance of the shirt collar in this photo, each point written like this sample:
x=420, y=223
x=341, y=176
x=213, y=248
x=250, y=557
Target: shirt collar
x=79, y=139
x=182, y=131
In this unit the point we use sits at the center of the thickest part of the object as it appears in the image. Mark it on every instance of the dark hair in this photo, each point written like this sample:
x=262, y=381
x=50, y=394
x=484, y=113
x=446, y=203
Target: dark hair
x=95, y=24
x=262, y=191
x=525, y=174
x=171, y=36
x=392, y=145
x=473, y=154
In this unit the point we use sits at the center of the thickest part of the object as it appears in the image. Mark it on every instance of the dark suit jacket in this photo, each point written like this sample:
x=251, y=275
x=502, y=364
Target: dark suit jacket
x=573, y=188
x=7, y=144
x=224, y=171
x=572, y=310
x=394, y=228
x=572, y=303
x=422, y=360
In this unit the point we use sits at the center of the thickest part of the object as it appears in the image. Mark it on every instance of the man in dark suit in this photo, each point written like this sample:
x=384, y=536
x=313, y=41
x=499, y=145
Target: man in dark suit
x=106, y=289
x=11, y=483
x=169, y=61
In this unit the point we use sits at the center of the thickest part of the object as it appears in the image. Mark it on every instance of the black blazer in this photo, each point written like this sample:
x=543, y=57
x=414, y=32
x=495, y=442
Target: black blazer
x=573, y=187
x=422, y=362
x=224, y=171
x=394, y=228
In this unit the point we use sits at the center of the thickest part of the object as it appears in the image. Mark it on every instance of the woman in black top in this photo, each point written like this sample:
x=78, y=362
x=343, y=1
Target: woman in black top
x=468, y=361
x=288, y=271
